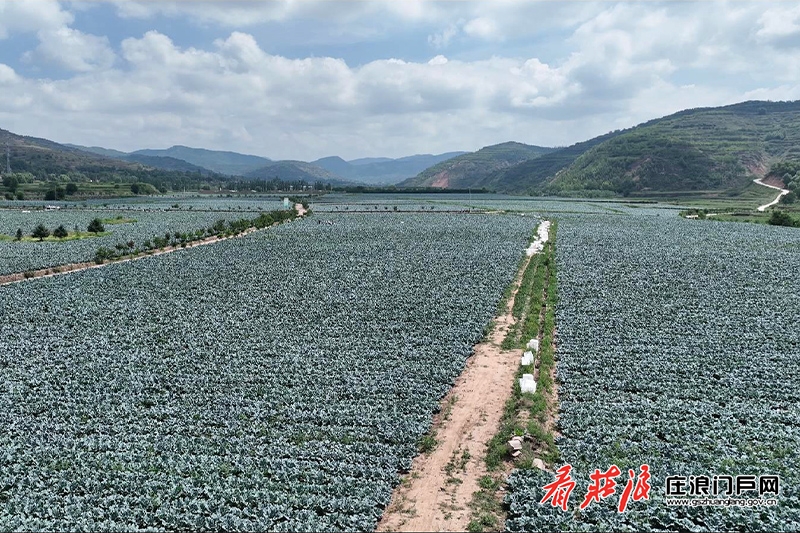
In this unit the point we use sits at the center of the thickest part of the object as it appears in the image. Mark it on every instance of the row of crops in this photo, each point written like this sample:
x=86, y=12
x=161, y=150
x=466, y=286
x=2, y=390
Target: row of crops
x=197, y=202
x=23, y=256
x=339, y=202
x=678, y=347
x=276, y=382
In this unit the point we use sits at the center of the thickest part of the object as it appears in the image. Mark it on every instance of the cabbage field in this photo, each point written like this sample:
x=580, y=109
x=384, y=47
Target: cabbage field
x=678, y=347
x=280, y=381
x=31, y=255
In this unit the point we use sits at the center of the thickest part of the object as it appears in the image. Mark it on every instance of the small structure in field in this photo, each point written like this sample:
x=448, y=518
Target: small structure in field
x=527, y=358
x=527, y=383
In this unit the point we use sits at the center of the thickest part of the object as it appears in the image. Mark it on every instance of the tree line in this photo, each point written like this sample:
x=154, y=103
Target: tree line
x=41, y=231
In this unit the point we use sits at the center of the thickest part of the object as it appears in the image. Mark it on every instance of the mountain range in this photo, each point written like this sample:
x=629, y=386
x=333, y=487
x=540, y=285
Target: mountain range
x=333, y=170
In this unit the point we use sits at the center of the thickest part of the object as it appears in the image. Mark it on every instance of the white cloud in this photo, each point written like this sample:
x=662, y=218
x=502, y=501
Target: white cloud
x=7, y=75
x=243, y=14
x=18, y=16
x=72, y=50
x=443, y=38
x=610, y=65
x=238, y=93
x=482, y=27
x=779, y=23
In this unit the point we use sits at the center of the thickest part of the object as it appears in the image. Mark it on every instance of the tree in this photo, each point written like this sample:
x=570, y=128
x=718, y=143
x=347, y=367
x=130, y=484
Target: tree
x=779, y=218
x=40, y=232
x=19, y=234
x=50, y=195
x=71, y=189
x=135, y=188
x=789, y=198
x=11, y=182
x=96, y=226
x=60, y=232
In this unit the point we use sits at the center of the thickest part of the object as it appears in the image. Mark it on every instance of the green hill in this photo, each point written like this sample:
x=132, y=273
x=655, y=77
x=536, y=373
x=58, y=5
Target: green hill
x=530, y=174
x=45, y=159
x=99, y=150
x=230, y=163
x=288, y=170
x=40, y=164
x=704, y=149
x=382, y=170
x=167, y=163
x=472, y=169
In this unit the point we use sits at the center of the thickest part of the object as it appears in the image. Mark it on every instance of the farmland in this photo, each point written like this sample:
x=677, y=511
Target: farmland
x=677, y=348
x=284, y=380
x=127, y=222
x=280, y=381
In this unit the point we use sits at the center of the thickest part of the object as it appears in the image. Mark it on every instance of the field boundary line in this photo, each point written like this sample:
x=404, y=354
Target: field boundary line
x=437, y=492
x=58, y=270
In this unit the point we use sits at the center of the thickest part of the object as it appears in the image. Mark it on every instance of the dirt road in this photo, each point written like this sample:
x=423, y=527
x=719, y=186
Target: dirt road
x=435, y=495
x=776, y=200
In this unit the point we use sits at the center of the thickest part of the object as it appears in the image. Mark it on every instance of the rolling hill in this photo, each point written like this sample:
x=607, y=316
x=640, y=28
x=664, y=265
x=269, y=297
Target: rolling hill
x=703, y=149
x=469, y=169
x=162, y=162
x=288, y=170
x=47, y=163
x=719, y=148
x=230, y=163
x=381, y=170
x=534, y=172
x=99, y=150
x=167, y=163
x=43, y=158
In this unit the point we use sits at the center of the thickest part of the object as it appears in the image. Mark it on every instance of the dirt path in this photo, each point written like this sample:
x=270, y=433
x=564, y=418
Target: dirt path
x=435, y=495
x=77, y=267
x=776, y=200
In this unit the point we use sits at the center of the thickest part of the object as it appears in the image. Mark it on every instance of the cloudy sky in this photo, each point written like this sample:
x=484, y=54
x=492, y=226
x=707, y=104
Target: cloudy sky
x=304, y=79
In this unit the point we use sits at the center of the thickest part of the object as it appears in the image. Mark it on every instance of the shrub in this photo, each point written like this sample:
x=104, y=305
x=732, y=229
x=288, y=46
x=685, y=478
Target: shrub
x=102, y=254
x=40, y=232
x=779, y=218
x=60, y=232
x=96, y=226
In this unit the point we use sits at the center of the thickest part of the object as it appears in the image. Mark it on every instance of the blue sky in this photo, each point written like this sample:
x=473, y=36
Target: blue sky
x=304, y=79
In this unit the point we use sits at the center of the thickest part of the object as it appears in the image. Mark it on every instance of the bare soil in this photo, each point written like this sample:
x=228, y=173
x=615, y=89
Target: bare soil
x=436, y=493
x=441, y=179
